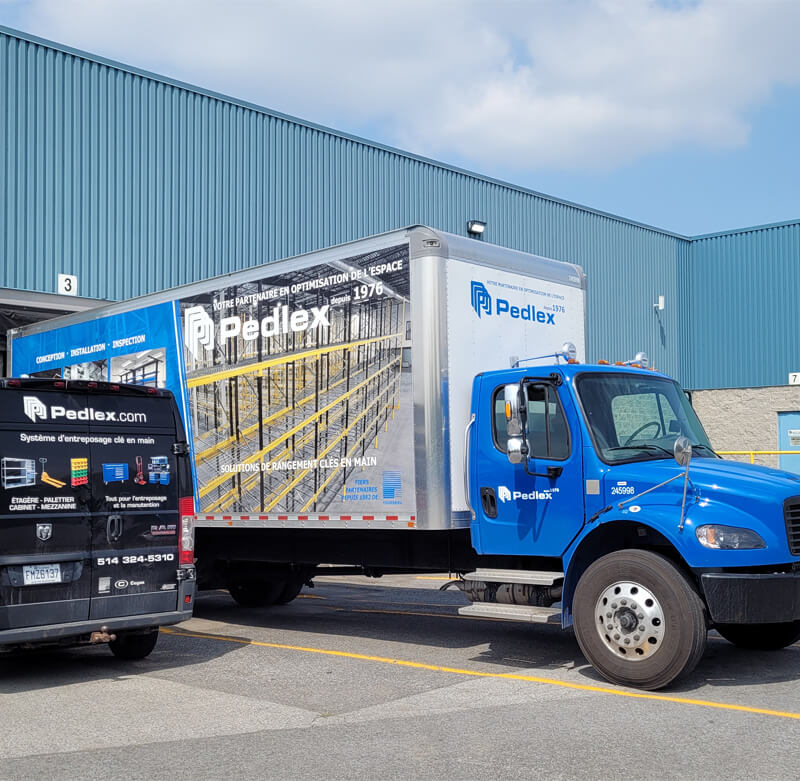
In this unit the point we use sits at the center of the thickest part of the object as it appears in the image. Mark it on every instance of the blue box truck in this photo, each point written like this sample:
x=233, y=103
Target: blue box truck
x=411, y=402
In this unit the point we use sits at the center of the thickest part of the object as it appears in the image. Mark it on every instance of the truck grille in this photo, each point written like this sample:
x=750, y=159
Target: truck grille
x=791, y=513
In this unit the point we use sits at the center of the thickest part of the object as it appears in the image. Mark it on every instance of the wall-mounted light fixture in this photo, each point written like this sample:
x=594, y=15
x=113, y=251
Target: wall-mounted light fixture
x=475, y=227
x=659, y=305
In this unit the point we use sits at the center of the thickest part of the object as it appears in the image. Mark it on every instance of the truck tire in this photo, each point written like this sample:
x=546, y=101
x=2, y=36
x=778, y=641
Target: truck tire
x=638, y=620
x=761, y=637
x=134, y=645
x=290, y=591
x=256, y=593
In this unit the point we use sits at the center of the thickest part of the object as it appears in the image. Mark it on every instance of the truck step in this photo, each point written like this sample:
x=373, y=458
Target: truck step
x=535, y=577
x=536, y=615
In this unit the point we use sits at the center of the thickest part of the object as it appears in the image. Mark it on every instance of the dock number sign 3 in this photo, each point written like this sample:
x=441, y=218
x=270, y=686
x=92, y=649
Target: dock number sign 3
x=67, y=285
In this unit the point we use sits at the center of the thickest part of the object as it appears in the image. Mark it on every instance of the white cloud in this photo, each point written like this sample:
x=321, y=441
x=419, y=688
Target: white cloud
x=506, y=86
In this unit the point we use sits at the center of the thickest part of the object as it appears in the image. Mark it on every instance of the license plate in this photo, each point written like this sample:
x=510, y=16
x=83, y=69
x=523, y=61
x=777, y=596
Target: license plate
x=33, y=574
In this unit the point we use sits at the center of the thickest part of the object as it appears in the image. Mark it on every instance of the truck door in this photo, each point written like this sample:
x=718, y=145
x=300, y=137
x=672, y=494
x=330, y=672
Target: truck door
x=538, y=511
x=45, y=561
x=135, y=525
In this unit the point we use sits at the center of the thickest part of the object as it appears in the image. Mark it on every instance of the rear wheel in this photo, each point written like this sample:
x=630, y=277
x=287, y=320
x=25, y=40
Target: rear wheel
x=290, y=591
x=638, y=620
x=134, y=645
x=761, y=637
x=256, y=593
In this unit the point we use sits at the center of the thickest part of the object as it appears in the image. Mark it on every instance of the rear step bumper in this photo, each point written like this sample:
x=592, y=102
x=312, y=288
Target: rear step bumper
x=54, y=632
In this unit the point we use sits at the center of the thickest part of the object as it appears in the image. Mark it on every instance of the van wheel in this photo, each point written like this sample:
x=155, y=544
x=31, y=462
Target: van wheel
x=761, y=637
x=290, y=591
x=256, y=593
x=638, y=620
x=134, y=645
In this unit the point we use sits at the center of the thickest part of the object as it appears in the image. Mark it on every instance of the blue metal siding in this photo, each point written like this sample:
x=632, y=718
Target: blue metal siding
x=741, y=290
x=137, y=183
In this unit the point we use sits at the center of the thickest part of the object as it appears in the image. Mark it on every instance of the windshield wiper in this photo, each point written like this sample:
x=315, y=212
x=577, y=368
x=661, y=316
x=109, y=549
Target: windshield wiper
x=643, y=446
x=705, y=447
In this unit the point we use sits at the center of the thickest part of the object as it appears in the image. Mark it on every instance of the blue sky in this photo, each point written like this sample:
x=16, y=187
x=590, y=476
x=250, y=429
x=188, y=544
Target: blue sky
x=680, y=114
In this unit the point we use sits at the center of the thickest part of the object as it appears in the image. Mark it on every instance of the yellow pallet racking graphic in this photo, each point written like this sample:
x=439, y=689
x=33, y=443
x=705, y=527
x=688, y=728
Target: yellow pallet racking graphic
x=316, y=405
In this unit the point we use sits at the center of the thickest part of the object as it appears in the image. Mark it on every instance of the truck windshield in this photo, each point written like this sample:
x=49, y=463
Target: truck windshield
x=633, y=417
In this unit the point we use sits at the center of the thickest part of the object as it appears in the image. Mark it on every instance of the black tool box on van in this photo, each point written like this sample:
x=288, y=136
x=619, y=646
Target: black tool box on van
x=92, y=547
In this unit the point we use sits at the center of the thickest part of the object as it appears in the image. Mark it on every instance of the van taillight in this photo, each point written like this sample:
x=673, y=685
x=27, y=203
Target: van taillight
x=186, y=539
x=14, y=384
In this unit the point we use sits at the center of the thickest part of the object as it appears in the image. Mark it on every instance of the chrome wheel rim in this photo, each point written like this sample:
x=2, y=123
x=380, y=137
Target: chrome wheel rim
x=630, y=621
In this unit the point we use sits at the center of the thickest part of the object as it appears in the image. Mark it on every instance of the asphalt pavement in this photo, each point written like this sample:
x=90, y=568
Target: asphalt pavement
x=381, y=679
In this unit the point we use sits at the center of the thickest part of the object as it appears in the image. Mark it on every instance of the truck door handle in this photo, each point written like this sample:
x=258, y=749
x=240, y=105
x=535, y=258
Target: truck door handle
x=489, y=502
x=114, y=528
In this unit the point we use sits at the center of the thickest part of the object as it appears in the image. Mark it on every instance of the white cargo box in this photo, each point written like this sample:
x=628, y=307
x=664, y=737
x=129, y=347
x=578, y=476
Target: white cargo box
x=331, y=389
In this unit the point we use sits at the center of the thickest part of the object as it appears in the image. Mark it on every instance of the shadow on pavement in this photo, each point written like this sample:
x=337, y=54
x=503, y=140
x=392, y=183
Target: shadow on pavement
x=49, y=668
x=428, y=618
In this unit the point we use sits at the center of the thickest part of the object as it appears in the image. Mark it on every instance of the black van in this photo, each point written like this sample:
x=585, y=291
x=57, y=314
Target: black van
x=96, y=515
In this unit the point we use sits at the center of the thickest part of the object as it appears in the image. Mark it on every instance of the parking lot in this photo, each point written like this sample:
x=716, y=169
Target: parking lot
x=366, y=678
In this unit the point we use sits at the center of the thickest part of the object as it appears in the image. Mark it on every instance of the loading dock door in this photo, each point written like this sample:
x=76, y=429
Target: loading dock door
x=789, y=439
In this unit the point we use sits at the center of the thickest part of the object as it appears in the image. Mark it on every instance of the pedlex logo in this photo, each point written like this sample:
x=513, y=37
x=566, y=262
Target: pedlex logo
x=34, y=408
x=481, y=300
x=199, y=330
x=504, y=494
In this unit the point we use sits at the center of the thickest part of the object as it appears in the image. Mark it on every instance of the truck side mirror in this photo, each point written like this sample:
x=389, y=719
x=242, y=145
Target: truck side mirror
x=682, y=451
x=514, y=424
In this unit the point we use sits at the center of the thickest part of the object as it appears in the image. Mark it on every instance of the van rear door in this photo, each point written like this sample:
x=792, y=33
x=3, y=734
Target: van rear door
x=135, y=478
x=45, y=529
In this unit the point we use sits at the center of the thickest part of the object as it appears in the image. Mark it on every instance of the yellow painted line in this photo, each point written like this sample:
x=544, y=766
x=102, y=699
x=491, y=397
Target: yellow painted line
x=477, y=674
x=309, y=596
x=431, y=577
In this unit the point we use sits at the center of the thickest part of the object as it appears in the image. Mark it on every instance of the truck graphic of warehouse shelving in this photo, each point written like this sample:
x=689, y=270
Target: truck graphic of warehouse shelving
x=17, y=472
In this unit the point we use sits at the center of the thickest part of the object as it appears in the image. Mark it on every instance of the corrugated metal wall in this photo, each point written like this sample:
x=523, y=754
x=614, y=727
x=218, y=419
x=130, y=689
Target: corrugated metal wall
x=135, y=184
x=740, y=298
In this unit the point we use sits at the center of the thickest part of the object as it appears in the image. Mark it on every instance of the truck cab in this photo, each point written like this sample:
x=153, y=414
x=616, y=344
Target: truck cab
x=607, y=470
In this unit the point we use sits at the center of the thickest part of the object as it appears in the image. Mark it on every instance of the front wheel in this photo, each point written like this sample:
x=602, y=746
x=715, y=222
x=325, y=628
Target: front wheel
x=134, y=645
x=638, y=620
x=761, y=637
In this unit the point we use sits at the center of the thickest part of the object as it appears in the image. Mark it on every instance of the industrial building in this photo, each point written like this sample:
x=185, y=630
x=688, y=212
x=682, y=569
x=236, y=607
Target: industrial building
x=115, y=182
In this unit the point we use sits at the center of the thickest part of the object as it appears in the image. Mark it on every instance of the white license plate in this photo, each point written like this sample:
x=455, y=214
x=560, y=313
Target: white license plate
x=33, y=574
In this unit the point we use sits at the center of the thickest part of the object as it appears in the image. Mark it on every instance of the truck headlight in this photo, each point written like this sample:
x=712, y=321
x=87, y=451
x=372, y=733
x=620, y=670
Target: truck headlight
x=719, y=537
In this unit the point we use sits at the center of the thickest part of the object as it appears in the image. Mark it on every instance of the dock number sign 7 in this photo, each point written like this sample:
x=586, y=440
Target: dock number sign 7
x=794, y=378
